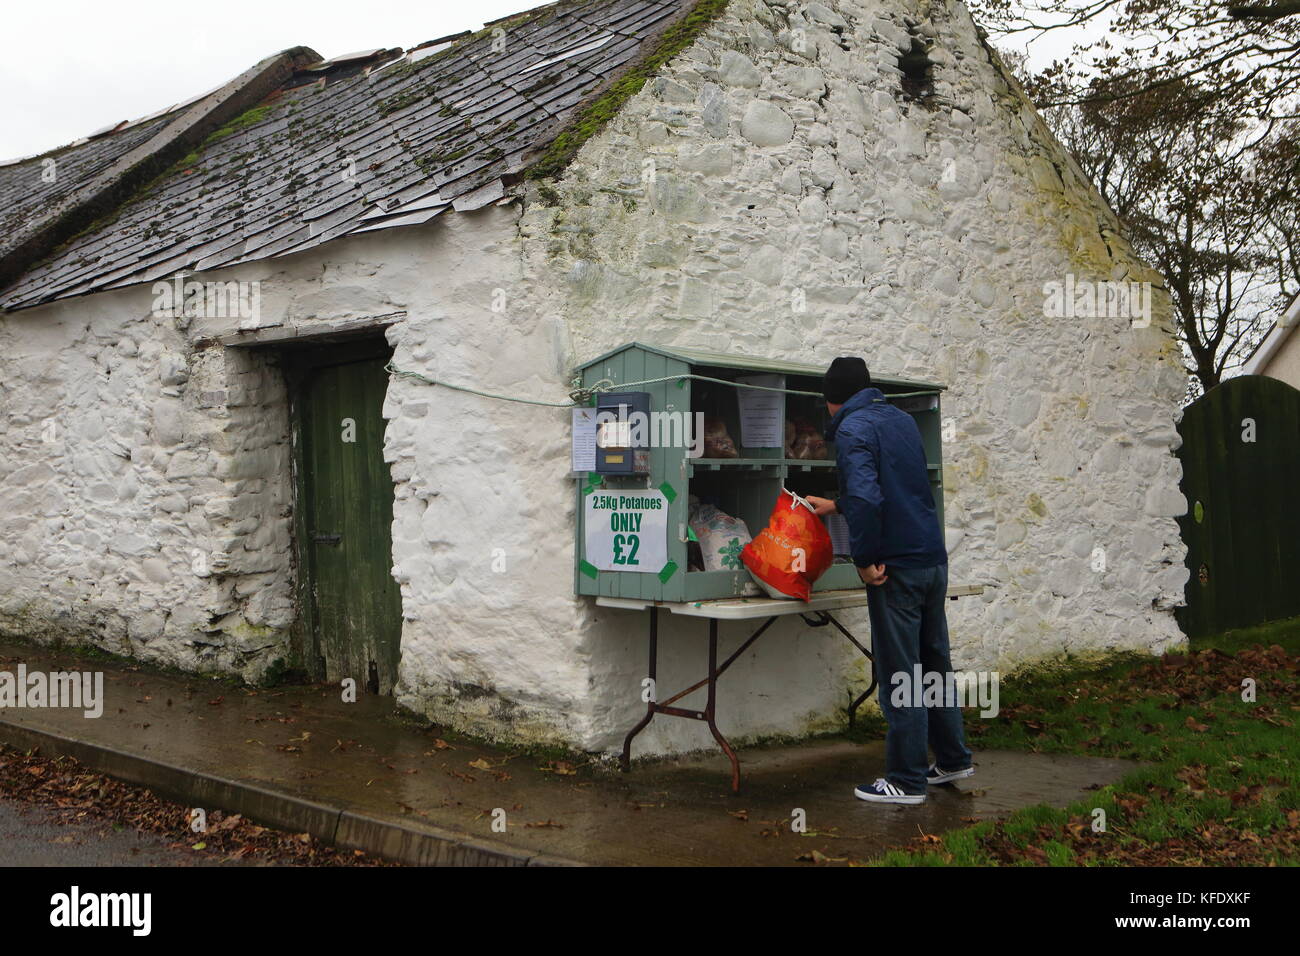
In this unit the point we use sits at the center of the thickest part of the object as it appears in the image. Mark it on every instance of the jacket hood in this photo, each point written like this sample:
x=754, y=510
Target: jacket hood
x=861, y=400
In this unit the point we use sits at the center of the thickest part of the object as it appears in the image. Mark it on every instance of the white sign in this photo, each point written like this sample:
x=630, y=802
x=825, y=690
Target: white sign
x=614, y=435
x=762, y=414
x=917, y=403
x=626, y=530
x=583, y=454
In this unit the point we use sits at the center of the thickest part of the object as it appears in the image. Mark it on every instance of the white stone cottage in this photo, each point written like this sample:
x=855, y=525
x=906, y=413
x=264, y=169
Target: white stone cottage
x=768, y=177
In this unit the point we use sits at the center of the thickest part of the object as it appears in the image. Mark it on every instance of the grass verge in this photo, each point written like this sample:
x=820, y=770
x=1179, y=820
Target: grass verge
x=1220, y=783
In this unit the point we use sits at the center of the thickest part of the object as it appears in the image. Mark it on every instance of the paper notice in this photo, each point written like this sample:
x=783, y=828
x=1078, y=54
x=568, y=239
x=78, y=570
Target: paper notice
x=917, y=403
x=626, y=532
x=762, y=414
x=583, y=454
x=839, y=531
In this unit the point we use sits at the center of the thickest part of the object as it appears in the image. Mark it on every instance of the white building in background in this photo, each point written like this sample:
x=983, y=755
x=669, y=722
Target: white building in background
x=1278, y=354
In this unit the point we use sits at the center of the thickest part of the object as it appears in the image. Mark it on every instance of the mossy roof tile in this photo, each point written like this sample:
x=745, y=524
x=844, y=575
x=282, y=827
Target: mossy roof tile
x=321, y=158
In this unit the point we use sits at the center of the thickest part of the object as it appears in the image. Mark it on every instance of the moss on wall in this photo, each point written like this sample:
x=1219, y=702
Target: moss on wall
x=593, y=117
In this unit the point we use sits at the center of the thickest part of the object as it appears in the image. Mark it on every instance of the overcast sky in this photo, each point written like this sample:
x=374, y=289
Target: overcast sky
x=70, y=67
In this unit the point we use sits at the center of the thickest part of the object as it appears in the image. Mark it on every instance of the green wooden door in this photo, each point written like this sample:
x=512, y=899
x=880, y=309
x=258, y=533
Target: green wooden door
x=345, y=520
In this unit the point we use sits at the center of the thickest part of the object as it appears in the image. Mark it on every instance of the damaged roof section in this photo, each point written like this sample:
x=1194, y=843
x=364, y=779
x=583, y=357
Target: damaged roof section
x=367, y=141
x=40, y=220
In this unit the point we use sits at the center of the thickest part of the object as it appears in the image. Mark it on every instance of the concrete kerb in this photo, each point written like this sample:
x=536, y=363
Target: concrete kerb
x=333, y=826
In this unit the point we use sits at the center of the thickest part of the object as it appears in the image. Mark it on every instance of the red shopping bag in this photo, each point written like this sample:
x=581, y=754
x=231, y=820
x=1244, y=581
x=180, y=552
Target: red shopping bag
x=792, y=552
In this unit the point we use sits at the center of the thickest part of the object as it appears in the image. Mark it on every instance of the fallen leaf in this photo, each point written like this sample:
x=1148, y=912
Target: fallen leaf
x=1193, y=777
x=1245, y=795
x=816, y=856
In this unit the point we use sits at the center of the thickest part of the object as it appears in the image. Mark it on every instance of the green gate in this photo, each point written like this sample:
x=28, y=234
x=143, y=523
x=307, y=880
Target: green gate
x=1241, y=465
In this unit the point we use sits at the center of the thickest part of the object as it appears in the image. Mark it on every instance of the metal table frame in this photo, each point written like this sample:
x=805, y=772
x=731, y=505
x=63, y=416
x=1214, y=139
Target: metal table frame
x=815, y=613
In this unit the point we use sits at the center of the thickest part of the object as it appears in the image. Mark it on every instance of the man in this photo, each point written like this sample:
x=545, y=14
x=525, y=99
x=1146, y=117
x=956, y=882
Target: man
x=898, y=548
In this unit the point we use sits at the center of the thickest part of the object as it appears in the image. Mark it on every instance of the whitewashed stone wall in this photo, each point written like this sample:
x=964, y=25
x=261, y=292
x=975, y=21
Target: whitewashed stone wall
x=785, y=163
x=145, y=472
x=144, y=488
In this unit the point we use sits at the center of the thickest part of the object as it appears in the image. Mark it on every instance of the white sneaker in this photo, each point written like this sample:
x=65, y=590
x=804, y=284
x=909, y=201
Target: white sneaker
x=882, y=791
x=935, y=776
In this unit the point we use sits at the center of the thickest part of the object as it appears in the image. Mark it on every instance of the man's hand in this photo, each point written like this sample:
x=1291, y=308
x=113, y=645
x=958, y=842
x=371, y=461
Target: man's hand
x=821, y=506
x=873, y=575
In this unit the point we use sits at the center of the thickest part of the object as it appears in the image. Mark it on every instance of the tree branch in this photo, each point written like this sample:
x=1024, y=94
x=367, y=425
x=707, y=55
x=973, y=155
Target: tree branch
x=1267, y=12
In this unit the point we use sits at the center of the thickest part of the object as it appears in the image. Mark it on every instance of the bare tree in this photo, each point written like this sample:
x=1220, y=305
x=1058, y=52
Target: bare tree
x=1236, y=55
x=1185, y=125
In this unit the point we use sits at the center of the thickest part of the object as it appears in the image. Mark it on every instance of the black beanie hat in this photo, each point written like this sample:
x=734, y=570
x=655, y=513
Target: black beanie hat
x=846, y=377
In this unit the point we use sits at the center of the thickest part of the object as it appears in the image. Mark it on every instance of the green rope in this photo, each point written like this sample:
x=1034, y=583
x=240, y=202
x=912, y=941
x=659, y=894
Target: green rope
x=390, y=367
x=581, y=395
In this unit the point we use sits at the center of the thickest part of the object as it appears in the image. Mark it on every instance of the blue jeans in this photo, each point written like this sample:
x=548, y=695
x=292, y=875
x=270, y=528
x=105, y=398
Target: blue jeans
x=908, y=627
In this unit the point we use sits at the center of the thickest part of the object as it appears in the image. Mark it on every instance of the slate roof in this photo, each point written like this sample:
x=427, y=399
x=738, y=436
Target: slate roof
x=369, y=141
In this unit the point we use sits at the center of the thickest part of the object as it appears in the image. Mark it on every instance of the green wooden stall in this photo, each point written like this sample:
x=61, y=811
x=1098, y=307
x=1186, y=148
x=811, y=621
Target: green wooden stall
x=747, y=487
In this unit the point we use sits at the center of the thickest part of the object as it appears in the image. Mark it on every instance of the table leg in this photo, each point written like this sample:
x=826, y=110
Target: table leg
x=710, y=710
x=710, y=707
x=827, y=618
x=650, y=707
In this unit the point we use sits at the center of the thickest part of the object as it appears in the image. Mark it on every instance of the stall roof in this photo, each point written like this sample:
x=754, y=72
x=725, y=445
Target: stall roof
x=750, y=363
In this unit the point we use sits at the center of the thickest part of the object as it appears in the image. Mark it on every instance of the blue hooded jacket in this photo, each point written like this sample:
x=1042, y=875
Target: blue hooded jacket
x=884, y=487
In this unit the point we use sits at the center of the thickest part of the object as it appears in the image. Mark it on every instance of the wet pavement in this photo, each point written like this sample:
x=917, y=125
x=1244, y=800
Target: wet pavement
x=304, y=742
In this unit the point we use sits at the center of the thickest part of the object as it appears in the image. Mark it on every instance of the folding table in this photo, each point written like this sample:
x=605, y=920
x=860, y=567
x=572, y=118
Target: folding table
x=815, y=613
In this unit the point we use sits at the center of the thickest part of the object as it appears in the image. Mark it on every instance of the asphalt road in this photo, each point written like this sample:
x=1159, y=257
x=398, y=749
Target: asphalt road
x=36, y=836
